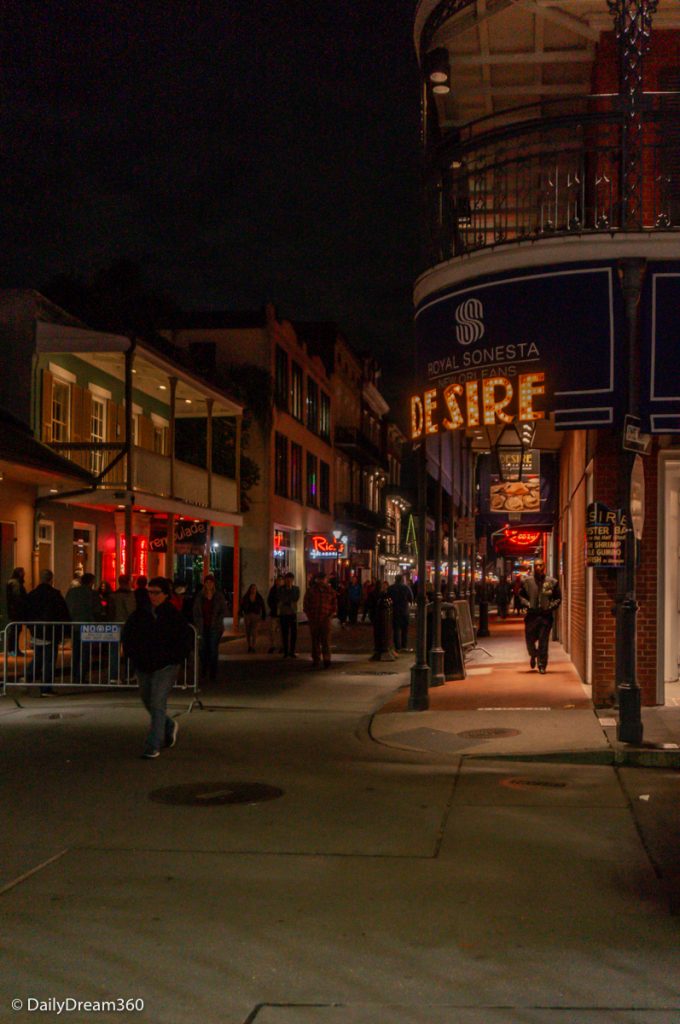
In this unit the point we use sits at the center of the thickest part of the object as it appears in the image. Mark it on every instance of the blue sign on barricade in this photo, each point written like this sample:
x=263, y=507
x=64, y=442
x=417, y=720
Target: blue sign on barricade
x=100, y=632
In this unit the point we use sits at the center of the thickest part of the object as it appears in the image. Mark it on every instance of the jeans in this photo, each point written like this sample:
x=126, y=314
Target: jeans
x=154, y=689
x=321, y=632
x=14, y=639
x=43, y=665
x=537, y=627
x=210, y=649
x=288, y=633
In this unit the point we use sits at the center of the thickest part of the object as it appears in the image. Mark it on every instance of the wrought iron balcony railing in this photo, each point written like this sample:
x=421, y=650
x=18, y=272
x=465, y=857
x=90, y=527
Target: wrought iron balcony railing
x=553, y=168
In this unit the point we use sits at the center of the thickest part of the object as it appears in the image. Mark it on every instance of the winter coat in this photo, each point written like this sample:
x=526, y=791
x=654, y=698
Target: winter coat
x=288, y=600
x=45, y=604
x=124, y=604
x=80, y=602
x=153, y=641
x=255, y=607
x=219, y=610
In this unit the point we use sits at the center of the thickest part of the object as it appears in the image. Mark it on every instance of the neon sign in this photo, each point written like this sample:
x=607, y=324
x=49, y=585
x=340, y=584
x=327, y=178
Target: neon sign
x=441, y=407
x=321, y=546
x=522, y=538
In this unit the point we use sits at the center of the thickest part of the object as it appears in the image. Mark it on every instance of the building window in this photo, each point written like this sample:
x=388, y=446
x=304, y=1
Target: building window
x=97, y=433
x=312, y=482
x=295, y=472
x=296, y=391
x=281, y=378
x=61, y=409
x=325, y=417
x=324, y=486
x=281, y=465
x=312, y=405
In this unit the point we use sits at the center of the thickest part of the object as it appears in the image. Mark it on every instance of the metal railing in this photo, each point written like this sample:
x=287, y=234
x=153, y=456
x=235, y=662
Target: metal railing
x=75, y=656
x=552, y=168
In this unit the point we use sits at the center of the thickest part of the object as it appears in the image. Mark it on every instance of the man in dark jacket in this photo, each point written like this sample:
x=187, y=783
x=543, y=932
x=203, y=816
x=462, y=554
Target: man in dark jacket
x=402, y=598
x=540, y=595
x=45, y=604
x=157, y=640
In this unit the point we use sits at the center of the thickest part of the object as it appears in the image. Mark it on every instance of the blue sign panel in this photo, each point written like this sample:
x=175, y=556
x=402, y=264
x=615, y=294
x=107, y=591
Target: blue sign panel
x=660, y=349
x=562, y=321
x=100, y=633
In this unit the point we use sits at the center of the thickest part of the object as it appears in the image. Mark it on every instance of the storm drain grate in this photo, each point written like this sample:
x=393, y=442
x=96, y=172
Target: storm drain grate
x=488, y=734
x=212, y=794
x=526, y=783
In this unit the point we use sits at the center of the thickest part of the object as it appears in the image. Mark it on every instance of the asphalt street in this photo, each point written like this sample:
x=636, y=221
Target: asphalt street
x=367, y=883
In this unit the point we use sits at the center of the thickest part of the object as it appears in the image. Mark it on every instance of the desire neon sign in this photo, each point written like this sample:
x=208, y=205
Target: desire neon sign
x=441, y=407
x=522, y=538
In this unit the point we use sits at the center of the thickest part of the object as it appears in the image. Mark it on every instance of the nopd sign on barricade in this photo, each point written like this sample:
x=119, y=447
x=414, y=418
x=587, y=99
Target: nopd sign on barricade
x=100, y=632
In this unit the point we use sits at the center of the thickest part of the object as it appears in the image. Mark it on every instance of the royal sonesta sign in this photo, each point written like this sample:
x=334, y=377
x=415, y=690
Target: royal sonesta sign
x=521, y=346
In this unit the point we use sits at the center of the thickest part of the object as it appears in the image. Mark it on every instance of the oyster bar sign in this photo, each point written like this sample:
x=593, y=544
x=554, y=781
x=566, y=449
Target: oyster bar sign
x=488, y=350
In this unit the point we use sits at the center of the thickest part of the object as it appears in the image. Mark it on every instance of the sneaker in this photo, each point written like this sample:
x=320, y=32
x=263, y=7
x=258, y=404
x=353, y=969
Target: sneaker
x=149, y=754
x=532, y=661
x=541, y=669
x=172, y=735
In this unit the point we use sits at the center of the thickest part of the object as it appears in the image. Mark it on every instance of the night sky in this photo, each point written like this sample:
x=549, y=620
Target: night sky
x=240, y=151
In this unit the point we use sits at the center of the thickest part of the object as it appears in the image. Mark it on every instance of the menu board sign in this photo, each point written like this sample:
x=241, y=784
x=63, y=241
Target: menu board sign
x=605, y=536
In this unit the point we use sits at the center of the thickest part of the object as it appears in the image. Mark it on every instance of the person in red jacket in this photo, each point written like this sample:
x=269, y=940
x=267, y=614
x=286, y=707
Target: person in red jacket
x=320, y=605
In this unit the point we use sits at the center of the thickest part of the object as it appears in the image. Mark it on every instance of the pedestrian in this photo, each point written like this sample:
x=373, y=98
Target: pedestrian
x=253, y=611
x=402, y=598
x=353, y=599
x=320, y=605
x=502, y=598
x=141, y=596
x=210, y=608
x=16, y=608
x=517, y=606
x=540, y=595
x=81, y=602
x=104, y=604
x=45, y=604
x=367, y=589
x=274, y=624
x=156, y=640
x=288, y=598
x=342, y=603
x=124, y=601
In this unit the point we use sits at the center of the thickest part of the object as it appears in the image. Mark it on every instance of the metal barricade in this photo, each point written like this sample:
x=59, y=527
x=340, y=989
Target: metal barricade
x=76, y=656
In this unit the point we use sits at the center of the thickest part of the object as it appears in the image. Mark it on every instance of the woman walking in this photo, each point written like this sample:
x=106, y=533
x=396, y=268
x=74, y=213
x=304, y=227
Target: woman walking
x=253, y=611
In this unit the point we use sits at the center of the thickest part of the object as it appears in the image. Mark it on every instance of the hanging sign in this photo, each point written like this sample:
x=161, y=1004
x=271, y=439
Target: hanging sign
x=190, y=537
x=493, y=350
x=605, y=536
x=637, y=497
x=323, y=546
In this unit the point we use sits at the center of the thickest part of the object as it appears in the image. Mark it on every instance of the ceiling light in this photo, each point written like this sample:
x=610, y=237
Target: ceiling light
x=442, y=89
x=162, y=387
x=187, y=401
x=437, y=65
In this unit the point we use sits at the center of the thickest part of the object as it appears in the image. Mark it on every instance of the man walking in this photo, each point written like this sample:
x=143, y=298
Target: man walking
x=402, y=598
x=288, y=597
x=157, y=640
x=320, y=605
x=46, y=605
x=540, y=595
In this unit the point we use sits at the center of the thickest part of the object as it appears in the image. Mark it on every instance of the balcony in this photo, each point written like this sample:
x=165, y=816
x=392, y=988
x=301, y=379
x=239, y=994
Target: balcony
x=359, y=517
x=558, y=167
x=355, y=443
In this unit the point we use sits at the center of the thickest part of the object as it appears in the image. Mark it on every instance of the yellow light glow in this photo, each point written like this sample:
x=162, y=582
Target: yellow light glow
x=430, y=407
x=457, y=420
x=417, y=417
x=472, y=399
x=530, y=385
x=493, y=408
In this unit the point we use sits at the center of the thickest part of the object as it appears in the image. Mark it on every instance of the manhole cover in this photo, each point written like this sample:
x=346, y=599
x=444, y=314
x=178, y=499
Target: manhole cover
x=488, y=734
x=53, y=715
x=210, y=794
x=527, y=783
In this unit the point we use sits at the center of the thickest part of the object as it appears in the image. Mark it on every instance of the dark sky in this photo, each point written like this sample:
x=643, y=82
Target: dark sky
x=239, y=150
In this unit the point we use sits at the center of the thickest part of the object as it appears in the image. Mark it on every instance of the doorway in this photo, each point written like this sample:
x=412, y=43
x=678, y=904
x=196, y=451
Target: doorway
x=669, y=562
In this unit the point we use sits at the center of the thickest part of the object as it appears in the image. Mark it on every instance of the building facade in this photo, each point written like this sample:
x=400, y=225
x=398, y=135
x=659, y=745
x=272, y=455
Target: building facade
x=114, y=408
x=546, y=303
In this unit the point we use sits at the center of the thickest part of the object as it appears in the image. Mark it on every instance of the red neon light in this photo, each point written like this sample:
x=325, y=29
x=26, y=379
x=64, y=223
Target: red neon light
x=321, y=543
x=523, y=538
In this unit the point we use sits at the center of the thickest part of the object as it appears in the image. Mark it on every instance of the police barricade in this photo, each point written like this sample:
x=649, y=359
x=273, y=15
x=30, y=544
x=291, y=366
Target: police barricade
x=75, y=656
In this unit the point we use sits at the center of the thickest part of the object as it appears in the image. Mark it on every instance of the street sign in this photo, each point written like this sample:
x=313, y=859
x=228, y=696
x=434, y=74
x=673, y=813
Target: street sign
x=637, y=497
x=465, y=530
x=633, y=439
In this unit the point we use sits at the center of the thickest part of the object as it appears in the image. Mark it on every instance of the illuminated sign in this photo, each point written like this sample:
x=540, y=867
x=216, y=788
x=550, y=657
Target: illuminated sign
x=484, y=402
x=321, y=546
x=606, y=530
x=522, y=538
x=481, y=343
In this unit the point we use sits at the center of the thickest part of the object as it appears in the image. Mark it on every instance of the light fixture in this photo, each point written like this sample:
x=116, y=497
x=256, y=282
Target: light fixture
x=187, y=401
x=162, y=387
x=512, y=450
x=54, y=490
x=437, y=66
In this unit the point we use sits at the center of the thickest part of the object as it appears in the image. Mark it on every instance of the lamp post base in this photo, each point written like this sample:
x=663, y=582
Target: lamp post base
x=419, y=699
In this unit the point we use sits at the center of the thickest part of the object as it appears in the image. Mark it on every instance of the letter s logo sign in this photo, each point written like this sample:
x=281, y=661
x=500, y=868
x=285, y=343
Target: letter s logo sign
x=469, y=322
